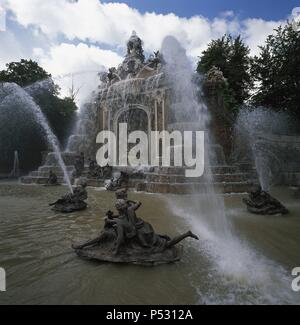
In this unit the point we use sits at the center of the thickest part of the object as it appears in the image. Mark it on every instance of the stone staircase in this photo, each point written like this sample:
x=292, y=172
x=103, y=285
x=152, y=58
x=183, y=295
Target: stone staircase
x=41, y=175
x=226, y=179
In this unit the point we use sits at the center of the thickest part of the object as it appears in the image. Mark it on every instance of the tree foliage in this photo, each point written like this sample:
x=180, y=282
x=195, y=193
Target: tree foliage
x=28, y=140
x=231, y=56
x=277, y=71
x=23, y=73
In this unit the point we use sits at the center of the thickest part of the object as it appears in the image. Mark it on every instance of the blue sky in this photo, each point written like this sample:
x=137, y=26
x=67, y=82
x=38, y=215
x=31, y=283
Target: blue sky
x=266, y=9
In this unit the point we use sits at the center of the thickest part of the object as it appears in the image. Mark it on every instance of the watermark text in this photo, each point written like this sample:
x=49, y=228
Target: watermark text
x=296, y=281
x=2, y=280
x=178, y=149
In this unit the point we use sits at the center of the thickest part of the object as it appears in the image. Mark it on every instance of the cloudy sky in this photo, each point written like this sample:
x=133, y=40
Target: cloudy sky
x=80, y=37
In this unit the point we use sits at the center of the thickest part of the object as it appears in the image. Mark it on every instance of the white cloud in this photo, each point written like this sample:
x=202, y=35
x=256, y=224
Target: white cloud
x=97, y=26
x=67, y=58
x=10, y=48
x=78, y=63
x=256, y=31
x=112, y=24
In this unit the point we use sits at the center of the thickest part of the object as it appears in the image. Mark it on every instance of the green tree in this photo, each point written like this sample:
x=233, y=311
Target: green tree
x=231, y=56
x=23, y=73
x=28, y=140
x=277, y=71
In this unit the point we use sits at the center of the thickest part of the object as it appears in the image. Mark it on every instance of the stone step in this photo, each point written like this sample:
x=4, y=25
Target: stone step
x=181, y=170
x=68, y=158
x=168, y=178
x=38, y=180
x=55, y=169
x=192, y=188
x=57, y=173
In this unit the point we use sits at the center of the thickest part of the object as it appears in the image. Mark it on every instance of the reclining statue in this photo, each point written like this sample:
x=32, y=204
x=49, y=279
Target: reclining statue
x=261, y=202
x=126, y=238
x=72, y=202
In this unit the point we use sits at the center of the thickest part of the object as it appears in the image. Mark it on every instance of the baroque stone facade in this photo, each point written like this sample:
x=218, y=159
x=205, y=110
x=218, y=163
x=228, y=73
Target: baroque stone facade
x=139, y=93
x=135, y=92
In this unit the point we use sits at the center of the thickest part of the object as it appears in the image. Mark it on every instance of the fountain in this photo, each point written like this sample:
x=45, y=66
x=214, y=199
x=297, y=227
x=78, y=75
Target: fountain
x=192, y=109
x=11, y=92
x=264, y=138
x=261, y=202
x=268, y=143
x=15, y=173
x=126, y=238
x=140, y=93
x=74, y=201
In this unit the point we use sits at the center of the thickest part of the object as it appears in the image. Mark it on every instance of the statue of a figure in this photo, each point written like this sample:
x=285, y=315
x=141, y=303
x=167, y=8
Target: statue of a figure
x=72, y=202
x=117, y=183
x=97, y=172
x=155, y=60
x=107, y=172
x=79, y=165
x=261, y=202
x=135, y=47
x=52, y=179
x=112, y=75
x=126, y=238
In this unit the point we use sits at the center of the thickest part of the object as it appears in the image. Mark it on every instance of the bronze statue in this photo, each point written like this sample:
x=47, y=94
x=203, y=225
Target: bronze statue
x=52, y=179
x=72, y=202
x=79, y=165
x=261, y=202
x=119, y=182
x=126, y=238
x=97, y=172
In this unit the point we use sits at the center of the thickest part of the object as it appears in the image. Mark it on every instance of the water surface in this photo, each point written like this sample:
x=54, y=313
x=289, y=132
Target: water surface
x=253, y=266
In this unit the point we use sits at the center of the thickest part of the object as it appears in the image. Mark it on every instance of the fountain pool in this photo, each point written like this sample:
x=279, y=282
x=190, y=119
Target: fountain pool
x=35, y=250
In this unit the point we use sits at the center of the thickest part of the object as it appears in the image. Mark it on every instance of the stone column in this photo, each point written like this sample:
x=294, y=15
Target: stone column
x=156, y=115
x=163, y=115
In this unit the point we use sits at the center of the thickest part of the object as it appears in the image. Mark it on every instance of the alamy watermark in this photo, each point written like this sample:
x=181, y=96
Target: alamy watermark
x=164, y=149
x=2, y=280
x=296, y=281
x=2, y=19
x=296, y=19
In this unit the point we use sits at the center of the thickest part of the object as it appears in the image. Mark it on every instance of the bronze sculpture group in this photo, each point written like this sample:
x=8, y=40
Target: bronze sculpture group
x=119, y=182
x=72, y=202
x=126, y=238
x=262, y=203
x=97, y=172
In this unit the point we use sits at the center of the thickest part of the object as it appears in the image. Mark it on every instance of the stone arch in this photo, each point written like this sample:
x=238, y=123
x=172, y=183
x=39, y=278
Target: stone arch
x=128, y=108
x=143, y=108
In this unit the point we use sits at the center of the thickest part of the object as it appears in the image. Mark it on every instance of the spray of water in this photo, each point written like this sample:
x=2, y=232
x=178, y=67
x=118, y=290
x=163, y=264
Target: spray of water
x=251, y=127
x=188, y=108
x=233, y=258
x=16, y=168
x=11, y=93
